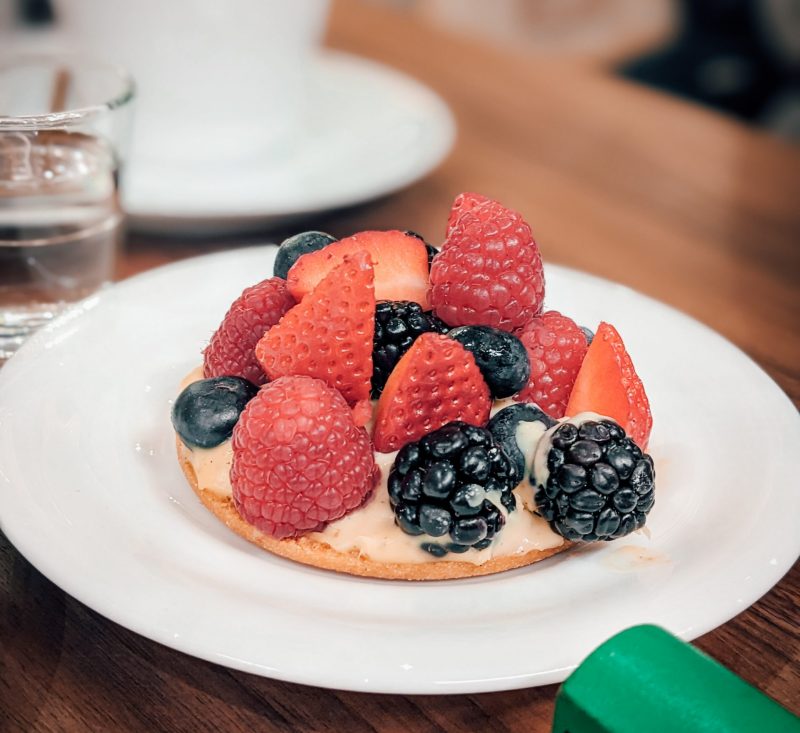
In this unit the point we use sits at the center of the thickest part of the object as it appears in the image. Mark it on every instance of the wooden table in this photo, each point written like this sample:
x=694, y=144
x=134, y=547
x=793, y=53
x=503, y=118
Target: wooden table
x=674, y=200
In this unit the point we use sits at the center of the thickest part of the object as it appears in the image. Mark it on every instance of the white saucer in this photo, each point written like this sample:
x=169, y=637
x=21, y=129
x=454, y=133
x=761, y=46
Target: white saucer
x=91, y=493
x=377, y=131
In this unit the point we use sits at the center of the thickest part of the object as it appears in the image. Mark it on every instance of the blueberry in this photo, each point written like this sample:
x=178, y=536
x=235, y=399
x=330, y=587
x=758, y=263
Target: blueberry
x=503, y=426
x=293, y=248
x=206, y=411
x=434, y=520
x=500, y=356
x=453, y=547
x=589, y=335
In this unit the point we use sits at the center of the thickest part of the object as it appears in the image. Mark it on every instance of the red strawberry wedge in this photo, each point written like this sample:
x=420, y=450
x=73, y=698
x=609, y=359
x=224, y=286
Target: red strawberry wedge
x=400, y=261
x=435, y=382
x=329, y=334
x=608, y=384
x=489, y=270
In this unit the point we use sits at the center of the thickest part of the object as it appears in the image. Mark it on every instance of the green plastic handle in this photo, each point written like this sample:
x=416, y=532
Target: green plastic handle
x=644, y=680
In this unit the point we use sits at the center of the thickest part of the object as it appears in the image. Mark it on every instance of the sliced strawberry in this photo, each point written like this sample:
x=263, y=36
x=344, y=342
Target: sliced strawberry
x=435, y=382
x=400, y=261
x=328, y=335
x=608, y=384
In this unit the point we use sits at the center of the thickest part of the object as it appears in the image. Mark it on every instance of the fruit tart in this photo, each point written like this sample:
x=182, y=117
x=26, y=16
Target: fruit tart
x=386, y=408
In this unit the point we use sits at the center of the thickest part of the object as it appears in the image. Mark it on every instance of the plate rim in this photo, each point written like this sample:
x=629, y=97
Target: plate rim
x=38, y=558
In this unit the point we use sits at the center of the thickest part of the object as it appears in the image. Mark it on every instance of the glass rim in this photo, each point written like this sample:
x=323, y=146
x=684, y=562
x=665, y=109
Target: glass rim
x=68, y=117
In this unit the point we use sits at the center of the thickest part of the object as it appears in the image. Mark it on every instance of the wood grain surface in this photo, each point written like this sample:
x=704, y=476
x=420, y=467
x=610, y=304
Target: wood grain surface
x=671, y=199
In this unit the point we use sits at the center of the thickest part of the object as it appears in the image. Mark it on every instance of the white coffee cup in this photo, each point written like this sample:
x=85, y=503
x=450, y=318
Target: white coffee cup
x=216, y=79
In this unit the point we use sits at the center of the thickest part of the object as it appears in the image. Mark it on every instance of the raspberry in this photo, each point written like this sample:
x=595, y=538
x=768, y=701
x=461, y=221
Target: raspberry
x=556, y=346
x=231, y=351
x=299, y=461
x=329, y=334
x=607, y=383
x=489, y=271
x=435, y=382
x=464, y=202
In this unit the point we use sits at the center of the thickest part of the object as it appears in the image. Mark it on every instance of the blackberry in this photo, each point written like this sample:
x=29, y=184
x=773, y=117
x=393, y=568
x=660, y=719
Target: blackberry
x=432, y=251
x=598, y=484
x=398, y=323
x=439, y=487
x=293, y=248
x=207, y=410
x=503, y=426
x=501, y=357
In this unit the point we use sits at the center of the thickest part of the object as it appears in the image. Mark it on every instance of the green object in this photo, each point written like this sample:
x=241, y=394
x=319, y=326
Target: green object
x=644, y=680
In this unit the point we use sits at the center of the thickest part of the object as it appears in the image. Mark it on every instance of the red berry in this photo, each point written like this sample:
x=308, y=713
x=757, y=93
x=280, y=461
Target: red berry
x=607, y=383
x=489, y=271
x=329, y=334
x=299, y=461
x=400, y=261
x=556, y=347
x=231, y=351
x=464, y=202
x=435, y=382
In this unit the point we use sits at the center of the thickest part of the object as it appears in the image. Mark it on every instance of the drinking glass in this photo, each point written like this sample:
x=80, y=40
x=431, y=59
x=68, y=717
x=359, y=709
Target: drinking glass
x=64, y=128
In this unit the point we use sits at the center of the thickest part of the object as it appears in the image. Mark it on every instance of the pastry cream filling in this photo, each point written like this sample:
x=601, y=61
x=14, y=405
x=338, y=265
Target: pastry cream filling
x=371, y=531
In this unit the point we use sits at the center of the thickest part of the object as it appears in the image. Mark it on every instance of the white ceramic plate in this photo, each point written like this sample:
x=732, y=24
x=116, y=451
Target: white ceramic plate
x=92, y=495
x=373, y=131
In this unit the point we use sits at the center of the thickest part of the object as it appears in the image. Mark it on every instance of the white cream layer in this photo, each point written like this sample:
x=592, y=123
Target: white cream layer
x=371, y=531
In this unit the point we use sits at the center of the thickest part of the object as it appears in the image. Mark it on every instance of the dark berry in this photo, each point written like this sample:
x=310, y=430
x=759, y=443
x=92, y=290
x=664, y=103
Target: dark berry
x=448, y=485
x=501, y=357
x=293, y=248
x=503, y=426
x=398, y=323
x=206, y=411
x=589, y=335
x=600, y=486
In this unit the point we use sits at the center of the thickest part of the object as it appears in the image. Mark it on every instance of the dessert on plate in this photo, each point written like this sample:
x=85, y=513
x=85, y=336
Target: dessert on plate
x=384, y=408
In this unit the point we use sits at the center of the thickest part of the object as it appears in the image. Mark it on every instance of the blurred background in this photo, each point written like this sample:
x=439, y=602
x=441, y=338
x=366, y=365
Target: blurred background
x=741, y=57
